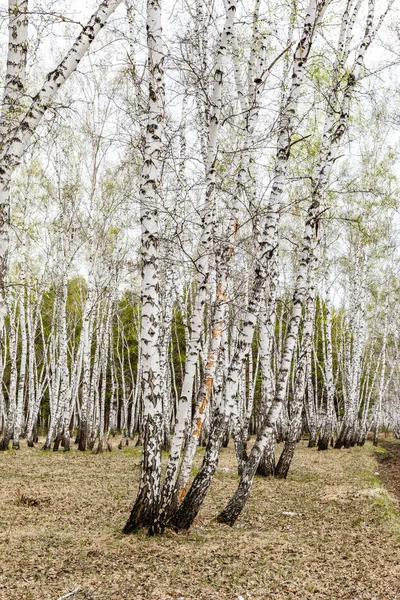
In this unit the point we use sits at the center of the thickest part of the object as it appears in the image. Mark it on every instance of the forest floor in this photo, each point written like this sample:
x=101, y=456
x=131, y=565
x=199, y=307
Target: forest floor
x=342, y=542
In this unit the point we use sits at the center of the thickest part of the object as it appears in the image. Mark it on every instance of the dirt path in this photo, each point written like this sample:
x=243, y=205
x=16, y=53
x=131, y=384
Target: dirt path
x=389, y=466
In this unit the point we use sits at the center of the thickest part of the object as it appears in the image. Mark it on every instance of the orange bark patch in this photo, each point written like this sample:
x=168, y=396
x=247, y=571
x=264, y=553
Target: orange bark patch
x=210, y=360
x=182, y=494
x=204, y=403
x=221, y=295
x=209, y=382
x=199, y=424
x=235, y=228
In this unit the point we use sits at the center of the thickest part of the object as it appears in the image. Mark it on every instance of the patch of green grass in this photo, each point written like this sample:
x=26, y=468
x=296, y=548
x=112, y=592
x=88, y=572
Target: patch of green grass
x=371, y=478
x=383, y=454
x=387, y=509
x=131, y=451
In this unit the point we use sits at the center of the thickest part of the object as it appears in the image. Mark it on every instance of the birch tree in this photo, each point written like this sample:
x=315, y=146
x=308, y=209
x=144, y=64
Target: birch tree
x=143, y=512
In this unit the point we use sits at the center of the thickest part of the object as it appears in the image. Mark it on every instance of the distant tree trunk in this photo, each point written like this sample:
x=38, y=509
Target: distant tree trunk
x=34, y=398
x=64, y=399
x=23, y=357
x=383, y=374
x=86, y=341
x=303, y=364
x=354, y=343
x=12, y=400
x=328, y=401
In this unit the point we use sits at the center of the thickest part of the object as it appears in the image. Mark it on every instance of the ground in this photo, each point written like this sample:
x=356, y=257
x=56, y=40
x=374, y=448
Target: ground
x=343, y=540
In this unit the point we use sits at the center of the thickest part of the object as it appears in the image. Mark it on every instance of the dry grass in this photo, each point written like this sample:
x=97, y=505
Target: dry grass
x=343, y=542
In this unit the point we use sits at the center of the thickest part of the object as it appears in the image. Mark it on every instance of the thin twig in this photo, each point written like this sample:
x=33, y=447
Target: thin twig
x=69, y=594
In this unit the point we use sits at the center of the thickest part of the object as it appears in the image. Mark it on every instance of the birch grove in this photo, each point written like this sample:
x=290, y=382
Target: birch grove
x=199, y=237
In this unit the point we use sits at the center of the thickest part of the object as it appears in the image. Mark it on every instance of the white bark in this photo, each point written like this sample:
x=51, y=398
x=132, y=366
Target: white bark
x=149, y=488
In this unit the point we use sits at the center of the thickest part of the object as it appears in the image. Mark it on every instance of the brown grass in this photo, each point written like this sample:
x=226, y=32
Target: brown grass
x=343, y=541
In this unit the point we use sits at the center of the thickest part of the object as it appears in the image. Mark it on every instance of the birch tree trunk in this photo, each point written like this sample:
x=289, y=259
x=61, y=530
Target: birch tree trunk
x=22, y=367
x=34, y=375
x=12, y=390
x=237, y=502
x=13, y=99
x=381, y=389
x=328, y=402
x=64, y=399
x=266, y=466
x=146, y=504
x=86, y=337
x=303, y=364
x=13, y=96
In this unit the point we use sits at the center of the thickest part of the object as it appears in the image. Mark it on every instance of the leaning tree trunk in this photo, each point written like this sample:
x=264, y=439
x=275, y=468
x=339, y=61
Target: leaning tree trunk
x=238, y=500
